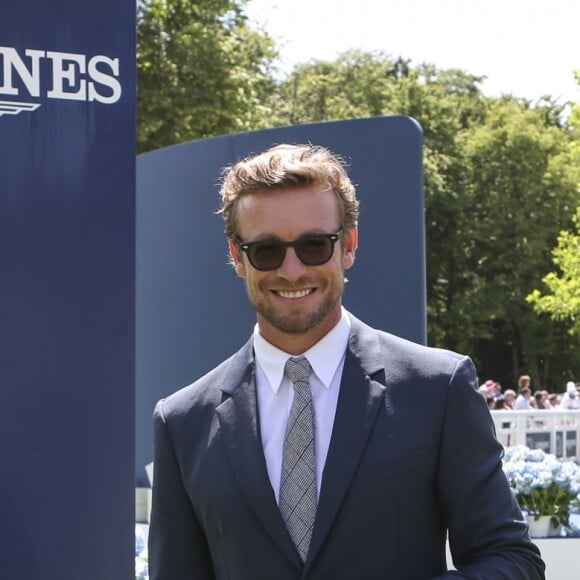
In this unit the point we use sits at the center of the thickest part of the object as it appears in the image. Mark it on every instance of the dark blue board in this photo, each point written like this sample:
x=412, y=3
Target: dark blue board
x=67, y=259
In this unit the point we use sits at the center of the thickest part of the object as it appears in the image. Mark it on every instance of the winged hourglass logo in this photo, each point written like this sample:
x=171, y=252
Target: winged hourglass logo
x=13, y=108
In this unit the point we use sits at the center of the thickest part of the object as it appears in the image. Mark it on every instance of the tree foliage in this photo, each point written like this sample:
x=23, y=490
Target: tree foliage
x=522, y=188
x=201, y=70
x=562, y=301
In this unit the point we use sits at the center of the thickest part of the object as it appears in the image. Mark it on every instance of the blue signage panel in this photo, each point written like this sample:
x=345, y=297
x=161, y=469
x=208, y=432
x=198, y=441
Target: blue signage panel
x=67, y=163
x=192, y=310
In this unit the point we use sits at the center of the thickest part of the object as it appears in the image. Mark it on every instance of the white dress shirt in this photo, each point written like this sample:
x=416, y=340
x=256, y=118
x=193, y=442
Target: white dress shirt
x=275, y=395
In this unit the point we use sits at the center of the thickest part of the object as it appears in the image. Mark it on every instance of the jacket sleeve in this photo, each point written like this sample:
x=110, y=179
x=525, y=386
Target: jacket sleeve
x=178, y=548
x=488, y=535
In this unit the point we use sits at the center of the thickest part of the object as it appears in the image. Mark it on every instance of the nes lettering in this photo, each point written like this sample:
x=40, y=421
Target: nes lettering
x=59, y=75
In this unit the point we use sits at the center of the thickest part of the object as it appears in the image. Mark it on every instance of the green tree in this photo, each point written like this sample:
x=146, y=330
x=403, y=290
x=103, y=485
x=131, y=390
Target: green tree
x=357, y=84
x=522, y=188
x=201, y=70
x=562, y=301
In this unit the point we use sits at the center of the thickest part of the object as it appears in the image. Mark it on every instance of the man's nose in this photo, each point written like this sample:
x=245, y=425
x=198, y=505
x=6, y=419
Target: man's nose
x=292, y=266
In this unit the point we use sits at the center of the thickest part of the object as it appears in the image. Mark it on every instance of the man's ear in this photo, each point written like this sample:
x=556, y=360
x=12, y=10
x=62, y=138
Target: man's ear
x=350, y=244
x=237, y=259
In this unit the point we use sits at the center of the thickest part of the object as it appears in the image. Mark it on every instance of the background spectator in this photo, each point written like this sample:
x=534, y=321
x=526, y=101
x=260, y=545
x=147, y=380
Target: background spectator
x=541, y=398
x=546, y=400
x=554, y=401
x=501, y=404
x=490, y=389
x=570, y=399
x=524, y=399
x=509, y=399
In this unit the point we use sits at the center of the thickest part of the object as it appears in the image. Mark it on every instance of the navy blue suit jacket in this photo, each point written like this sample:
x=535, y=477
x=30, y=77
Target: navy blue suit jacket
x=412, y=456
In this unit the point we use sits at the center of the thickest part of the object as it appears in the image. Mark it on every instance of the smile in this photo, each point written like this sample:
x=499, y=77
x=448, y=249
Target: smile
x=294, y=295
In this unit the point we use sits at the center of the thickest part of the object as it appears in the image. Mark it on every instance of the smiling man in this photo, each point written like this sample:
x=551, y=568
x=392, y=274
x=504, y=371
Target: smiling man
x=325, y=449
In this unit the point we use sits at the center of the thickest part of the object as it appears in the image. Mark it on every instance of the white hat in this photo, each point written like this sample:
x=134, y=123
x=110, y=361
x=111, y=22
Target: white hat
x=570, y=387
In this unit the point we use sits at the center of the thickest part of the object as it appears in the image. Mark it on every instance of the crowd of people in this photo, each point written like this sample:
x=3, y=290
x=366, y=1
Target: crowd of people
x=527, y=398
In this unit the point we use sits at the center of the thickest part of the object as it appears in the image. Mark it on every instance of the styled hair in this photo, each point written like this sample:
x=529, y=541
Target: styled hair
x=286, y=166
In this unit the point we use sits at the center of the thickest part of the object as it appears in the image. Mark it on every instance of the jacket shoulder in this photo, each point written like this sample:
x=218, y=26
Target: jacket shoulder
x=390, y=349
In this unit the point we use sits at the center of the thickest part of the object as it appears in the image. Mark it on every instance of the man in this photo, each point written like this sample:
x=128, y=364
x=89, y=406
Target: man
x=351, y=460
x=570, y=399
x=524, y=382
x=524, y=400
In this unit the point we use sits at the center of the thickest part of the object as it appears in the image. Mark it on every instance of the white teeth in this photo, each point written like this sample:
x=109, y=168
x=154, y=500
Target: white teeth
x=297, y=294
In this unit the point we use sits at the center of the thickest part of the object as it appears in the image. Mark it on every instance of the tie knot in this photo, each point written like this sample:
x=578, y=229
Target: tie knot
x=298, y=369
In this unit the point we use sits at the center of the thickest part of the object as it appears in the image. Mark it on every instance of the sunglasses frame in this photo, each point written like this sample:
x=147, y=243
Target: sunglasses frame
x=333, y=237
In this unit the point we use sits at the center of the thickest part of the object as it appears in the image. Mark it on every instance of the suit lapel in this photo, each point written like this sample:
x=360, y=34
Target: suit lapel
x=361, y=396
x=238, y=418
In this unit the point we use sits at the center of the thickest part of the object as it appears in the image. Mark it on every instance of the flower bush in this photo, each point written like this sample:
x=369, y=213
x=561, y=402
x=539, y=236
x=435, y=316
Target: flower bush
x=141, y=561
x=543, y=485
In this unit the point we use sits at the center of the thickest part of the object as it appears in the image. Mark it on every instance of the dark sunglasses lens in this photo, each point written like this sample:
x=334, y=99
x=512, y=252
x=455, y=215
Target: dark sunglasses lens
x=266, y=256
x=315, y=251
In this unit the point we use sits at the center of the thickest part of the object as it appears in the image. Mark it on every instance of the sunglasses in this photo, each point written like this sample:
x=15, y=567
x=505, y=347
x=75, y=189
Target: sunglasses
x=312, y=250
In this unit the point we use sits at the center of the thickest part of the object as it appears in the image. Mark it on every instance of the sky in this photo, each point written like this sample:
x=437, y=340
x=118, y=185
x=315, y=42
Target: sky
x=527, y=48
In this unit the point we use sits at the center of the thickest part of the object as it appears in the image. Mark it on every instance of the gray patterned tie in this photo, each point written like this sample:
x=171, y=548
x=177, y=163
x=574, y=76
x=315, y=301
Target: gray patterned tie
x=298, y=482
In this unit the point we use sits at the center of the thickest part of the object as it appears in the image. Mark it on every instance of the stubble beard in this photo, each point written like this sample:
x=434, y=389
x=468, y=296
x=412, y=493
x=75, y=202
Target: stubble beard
x=297, y=324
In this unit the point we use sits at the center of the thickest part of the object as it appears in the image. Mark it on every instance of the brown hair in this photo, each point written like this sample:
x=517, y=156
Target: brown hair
x=286, y=166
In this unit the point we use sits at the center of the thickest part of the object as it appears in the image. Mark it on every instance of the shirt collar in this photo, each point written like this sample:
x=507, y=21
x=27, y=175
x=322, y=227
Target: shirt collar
x=324, y=356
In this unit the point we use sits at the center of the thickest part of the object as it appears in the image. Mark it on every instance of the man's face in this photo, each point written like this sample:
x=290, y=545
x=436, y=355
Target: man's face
x=296, y=304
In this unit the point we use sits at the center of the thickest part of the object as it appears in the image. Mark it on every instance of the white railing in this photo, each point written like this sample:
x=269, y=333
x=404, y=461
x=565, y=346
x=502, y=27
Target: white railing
x=556, y=432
